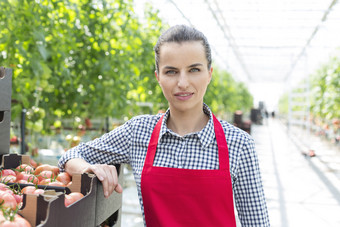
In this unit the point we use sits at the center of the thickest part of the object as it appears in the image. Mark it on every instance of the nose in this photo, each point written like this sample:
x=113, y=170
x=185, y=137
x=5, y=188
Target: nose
x=183, y=80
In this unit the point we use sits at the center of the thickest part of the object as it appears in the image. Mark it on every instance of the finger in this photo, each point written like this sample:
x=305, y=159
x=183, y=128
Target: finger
x=119, y=188
x=110, y=171
x=104, y=176
x=114, y=179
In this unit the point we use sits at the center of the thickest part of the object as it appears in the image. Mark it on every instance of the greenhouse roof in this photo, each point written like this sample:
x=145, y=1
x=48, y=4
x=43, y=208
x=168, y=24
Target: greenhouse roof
x=271, y=42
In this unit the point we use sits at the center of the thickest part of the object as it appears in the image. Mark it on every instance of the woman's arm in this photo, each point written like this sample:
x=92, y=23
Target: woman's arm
x=249, y=195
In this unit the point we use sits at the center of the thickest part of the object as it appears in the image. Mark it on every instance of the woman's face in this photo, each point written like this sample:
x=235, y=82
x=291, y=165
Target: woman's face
x=183, y=75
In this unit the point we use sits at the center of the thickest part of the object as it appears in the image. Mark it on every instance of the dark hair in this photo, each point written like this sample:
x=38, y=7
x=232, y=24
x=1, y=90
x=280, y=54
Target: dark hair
x=179, y=34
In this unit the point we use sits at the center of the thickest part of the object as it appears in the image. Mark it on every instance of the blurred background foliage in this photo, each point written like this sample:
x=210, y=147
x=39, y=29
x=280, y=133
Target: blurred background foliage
x=324, y=93
x=84, y=59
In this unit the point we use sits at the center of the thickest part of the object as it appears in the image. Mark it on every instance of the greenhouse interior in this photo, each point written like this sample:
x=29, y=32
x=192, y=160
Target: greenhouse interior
x=73, y=71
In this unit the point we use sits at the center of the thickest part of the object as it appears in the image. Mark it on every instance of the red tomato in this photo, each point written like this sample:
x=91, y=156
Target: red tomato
x=28, y=190
x=33, y=163
x=51, y=182
x=8, y=179
x=44, y=181
x=25, y=168
x=6, y=172
x=76, y=195
x=3, y=186
x=43, y=167
x=64, y=178
x=68, y=200
x=39, y=191
x=69, y=184
x=72, y=198
x=56, y=183
x=7, y=200
x=17, y=221
x=28, y=177
x=46, y=174
x=18, y=198
x=23, y=182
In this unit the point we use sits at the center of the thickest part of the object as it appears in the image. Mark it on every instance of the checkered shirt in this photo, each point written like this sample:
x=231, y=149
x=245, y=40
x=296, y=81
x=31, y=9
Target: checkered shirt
x=129, y=143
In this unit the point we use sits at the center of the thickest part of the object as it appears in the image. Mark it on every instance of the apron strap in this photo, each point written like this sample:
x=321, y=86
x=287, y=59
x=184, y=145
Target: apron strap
x=150, y=154
x=219, y=134
x=223, y=153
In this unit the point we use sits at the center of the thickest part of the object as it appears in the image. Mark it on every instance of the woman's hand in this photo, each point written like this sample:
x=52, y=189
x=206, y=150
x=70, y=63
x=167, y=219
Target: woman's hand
x=107, y=174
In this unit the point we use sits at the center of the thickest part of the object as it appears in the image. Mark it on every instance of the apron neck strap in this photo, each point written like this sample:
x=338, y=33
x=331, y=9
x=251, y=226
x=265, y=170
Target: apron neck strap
x=223, y=153
x=219, y=134
x=150, y=154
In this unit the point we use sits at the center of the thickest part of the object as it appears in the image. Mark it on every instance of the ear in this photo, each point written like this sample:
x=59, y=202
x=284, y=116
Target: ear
x=157, y=76
x=210, y=73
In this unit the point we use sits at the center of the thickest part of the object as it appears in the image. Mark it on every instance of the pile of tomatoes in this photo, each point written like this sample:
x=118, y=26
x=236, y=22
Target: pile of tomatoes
x=24, y=179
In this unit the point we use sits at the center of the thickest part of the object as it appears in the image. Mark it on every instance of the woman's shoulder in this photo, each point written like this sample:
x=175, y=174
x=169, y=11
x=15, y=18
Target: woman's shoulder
x=145, y=120
x=232, y=131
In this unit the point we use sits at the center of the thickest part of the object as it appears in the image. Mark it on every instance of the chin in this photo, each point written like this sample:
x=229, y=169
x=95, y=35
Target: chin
x=184, y=106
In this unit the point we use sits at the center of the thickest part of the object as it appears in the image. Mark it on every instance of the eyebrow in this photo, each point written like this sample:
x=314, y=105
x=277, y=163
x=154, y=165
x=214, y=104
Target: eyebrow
x=195, y=65
x=190, y=66
x=169, y=67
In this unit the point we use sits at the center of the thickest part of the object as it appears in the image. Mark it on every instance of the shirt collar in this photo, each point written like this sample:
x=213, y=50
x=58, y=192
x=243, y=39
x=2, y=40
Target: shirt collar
x=205, y=135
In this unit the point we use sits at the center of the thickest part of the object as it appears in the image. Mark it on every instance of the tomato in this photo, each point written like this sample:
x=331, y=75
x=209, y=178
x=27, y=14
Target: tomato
x=8, y=179
x=14, y=221
x=76, y=195
x=33, y=163
x=56, y=183
x=28, y=190
x=25, y=168
x=45, y=181
x=3, y=186
x=7, y=172
x=39, y=191
x=72, y=198
x=7, y=200
x=68, y=200
x=64, y=177
x=18, y=198
x=69, y=184
x=46, y=174
x=23, y=182
x=28, y=177
x=43, y=167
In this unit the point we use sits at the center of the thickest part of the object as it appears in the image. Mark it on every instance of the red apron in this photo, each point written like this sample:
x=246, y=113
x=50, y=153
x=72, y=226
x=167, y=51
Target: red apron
x=187, y=197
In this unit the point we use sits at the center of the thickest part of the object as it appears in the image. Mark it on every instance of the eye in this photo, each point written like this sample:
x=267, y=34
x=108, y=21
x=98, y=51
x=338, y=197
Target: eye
x=195, y=70
x=169, y=72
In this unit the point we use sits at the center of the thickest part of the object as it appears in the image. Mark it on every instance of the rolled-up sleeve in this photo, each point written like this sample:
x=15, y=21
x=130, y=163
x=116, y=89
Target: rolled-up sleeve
x=248, y=191
x=110, y=148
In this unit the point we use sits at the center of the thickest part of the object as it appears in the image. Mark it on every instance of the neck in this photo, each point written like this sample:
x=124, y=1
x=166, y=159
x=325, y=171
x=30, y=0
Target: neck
x=184, y=123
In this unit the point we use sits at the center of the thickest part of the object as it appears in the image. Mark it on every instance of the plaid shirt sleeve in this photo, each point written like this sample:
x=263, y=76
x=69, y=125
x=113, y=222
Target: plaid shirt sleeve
x=248, y=190
x=110, y=148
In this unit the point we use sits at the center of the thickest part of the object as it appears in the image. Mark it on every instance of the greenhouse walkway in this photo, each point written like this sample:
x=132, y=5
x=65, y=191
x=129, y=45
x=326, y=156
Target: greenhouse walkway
x=300, y=190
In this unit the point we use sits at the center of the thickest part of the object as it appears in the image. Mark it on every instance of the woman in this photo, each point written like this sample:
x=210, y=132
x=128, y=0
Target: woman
x=187, y=164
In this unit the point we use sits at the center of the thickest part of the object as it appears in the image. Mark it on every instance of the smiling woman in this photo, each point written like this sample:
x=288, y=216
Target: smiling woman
x=189, y=166
x=184, y=76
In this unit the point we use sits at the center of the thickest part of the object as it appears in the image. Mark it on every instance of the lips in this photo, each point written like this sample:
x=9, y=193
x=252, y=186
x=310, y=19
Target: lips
x=183, y=95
